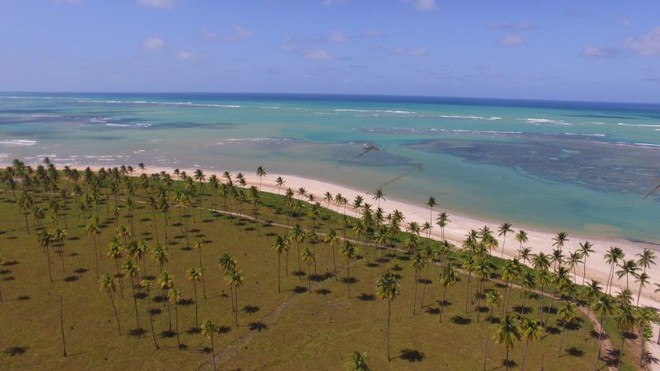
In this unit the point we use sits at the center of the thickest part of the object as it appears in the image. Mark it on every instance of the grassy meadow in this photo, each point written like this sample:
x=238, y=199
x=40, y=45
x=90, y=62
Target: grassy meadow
x=296, y=328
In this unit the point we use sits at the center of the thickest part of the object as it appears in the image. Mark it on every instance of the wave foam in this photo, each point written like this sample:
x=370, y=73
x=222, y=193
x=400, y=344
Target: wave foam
x=537, y=121
x=18, y=142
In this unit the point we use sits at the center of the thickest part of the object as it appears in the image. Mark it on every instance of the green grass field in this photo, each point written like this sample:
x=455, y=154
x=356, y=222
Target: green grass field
x=296, y=329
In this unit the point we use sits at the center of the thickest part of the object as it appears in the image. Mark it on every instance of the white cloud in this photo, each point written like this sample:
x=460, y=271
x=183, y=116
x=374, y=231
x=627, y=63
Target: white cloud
x=184, y=55
x=598, y=52
x=317, y=54
x=238, y=33
x=153, y=43
x=337, y=37
x=329, y=3
x=512, y=27
x=646, y=45
x=413, y=52
x=422, y=5
x=160, y=4
x=511, y=40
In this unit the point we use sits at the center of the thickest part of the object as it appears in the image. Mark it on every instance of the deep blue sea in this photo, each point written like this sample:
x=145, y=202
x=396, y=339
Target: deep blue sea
x=580, y=167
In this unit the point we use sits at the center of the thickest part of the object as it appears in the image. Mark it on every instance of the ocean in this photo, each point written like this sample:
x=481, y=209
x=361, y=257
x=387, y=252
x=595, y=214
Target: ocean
x=577, y=167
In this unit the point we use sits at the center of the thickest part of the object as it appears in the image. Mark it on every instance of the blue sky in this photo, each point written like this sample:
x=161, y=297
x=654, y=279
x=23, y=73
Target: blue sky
x=603, y=50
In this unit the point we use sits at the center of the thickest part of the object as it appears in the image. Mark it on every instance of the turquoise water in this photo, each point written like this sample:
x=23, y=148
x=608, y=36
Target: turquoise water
x=581, y=167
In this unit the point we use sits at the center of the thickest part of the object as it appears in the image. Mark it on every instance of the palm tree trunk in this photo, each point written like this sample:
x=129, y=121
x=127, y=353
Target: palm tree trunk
x=196, y=311
x=507, y=358
x=348, y=279
x=467, y=292
x=236, y=306
x=114, y=309
x=48, y=258
x=213, y=352
x=522, y=364
x=137, y=317
x=415, y=299
x=389, y=312
x=426, y=271
x=96, y=254
x=201, y=266
x=561, y=342
x=151, y=320
x=176, y=323
x=279, y=273
x=486, y=346
x=623, y=342
x=442, y=305
x=61, y=324
x=334, y=261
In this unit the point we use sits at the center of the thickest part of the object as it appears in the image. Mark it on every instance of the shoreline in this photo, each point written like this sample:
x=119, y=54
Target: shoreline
x=456, y=230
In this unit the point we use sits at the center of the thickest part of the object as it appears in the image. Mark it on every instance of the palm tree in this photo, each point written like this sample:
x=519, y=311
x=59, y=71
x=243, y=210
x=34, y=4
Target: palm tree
x=379, y=195
x=358, y=362
x=146, y=284
x=560, y=240
x=235, y=280
x=166, y=282
x=521, y=237
x=309, y=257
x=281, y=245
x=507, y=332
x=174, y=295
x=493, y=298
x=625, y=320
x=448, y=277
x=108, y=285
x=387, y=287
x=132, y=270
x=198, y=245
x=93, y=231
x=586, y=248
x=628, y=267
x=45, y=239
x=502, y=231
x=442, y=220
x=261, y=173
x=298, y=235
x=431, y=203
x=160, y=256
x=531, y=330
x=332, y=239
x=194, y=275
x=646, y=259
x=418, y=263
x=604, y=306
x=208, y=329
x=350, y=251
x=227, y=263
x=567, y=317
x=612, y=257
x=643, y=279
x=280, y=183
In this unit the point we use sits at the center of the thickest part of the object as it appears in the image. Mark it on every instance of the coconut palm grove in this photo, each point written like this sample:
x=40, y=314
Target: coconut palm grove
x=122, y=268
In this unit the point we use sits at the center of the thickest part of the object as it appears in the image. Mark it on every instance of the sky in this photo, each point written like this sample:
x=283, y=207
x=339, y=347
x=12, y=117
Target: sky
x=588, y=50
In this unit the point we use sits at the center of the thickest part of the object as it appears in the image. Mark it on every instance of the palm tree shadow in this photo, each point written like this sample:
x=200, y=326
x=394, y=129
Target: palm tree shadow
x=224, y=329
x=575, y=352
x=138, y=332
x=459, y=320
x=167, y=334
x=412, y=355
x=257, y=326
x=250, y=309
x=323, y=291
x=367, y=297
x=15, y=351
x=509, y=363
x=432, y=310
x=300, y=289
